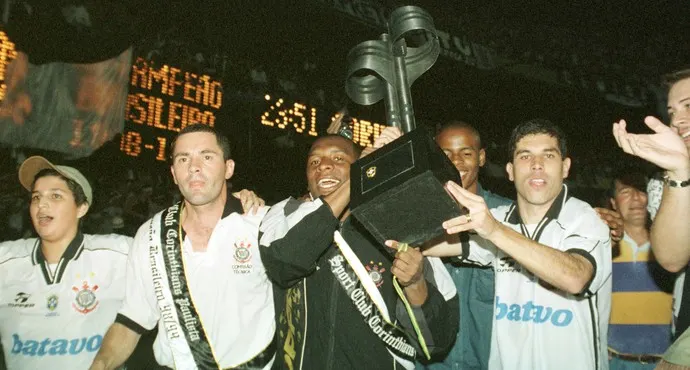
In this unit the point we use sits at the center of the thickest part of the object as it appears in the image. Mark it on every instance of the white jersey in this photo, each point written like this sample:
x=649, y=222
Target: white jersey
x=228, y=286
x=55, y=317
x=536, y=326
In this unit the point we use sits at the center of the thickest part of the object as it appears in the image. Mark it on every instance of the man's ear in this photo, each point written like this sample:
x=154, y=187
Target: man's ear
x=509, y=171
x=229, y=168
x=566, y=167
x=172, y=171
x=82, y=209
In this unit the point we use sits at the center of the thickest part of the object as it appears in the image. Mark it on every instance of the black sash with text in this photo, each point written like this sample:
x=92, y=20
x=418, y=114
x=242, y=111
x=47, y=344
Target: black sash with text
x=394, y=338
x=186, y=312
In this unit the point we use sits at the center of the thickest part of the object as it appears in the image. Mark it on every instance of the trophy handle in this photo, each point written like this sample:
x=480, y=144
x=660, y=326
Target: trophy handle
x=386, y=68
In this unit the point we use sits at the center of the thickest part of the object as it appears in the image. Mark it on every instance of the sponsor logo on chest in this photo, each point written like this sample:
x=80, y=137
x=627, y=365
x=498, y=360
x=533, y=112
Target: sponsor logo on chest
x=530, y=312
x=54, y=346
x=21, y=300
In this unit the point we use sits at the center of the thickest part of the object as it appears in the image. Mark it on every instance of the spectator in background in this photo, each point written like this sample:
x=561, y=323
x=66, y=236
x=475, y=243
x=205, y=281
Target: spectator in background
x=640, y=324
x=668, y=147
x=463, y=146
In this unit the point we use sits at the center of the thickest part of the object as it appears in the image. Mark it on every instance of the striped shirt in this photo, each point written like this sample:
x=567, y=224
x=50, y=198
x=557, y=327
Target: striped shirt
x=640, y=308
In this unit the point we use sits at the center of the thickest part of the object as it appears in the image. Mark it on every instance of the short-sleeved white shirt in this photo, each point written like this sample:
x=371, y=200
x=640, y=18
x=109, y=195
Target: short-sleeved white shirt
x=655, y=191
x=230, y=291
x=535, y=325
x=57, y=319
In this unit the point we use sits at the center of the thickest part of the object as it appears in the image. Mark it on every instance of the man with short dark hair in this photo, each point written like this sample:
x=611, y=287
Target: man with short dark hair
x=463, y=145
x=552, y=258
x=196, y=271
x=349, y=302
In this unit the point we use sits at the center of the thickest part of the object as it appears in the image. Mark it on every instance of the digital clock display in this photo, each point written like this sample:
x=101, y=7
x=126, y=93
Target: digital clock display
x=305, y=120
x=162, y=101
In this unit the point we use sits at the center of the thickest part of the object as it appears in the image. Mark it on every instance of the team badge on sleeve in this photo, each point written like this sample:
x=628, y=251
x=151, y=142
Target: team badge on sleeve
x=85, y=301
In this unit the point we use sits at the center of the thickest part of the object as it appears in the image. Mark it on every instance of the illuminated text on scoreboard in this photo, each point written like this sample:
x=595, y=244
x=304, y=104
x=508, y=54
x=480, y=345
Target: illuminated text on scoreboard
x=304, y=120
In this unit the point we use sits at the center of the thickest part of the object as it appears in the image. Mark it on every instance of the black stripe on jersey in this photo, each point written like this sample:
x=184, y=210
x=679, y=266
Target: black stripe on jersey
x=79, y=250
x=232, y=205
x=593, y=312
x=46, y=273
x=34, y=252
x=130, y=324
x=73, y=251
x=581, y=252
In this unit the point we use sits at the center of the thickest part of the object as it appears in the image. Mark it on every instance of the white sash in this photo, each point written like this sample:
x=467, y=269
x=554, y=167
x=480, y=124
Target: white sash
x=370, y=288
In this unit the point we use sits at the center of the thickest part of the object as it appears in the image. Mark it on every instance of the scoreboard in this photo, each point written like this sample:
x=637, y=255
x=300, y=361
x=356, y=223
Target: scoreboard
x=164, y=99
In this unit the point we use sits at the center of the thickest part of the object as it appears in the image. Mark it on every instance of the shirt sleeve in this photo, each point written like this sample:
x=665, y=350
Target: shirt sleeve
x=655, y=189
x=139, y=310
x=590, y=239
x=293, y=236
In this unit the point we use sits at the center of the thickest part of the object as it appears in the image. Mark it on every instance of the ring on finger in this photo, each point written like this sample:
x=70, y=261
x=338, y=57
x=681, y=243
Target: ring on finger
x=468, y=217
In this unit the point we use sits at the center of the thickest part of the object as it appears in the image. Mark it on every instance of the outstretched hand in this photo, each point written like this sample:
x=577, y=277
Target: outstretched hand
x=663, y=148
x=479, y=218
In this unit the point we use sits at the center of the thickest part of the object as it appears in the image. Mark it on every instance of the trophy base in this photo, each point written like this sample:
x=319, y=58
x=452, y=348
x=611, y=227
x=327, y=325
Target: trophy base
x=398, y=191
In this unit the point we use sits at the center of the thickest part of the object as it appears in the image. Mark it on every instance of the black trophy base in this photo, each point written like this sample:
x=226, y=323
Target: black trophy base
x=398, y=191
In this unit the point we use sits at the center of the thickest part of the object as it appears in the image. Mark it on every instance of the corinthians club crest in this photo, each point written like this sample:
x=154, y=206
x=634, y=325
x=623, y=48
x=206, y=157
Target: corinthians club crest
x=85, y=300
x=376, y=271
x=242, y=252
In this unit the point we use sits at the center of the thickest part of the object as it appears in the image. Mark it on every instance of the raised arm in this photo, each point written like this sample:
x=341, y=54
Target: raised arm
x=670, y=235
x=294, y=234
x=570, y=271
x=670, y=232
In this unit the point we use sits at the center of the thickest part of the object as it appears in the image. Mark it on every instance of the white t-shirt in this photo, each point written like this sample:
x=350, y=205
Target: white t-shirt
x=655, y=190
x=535, y=325
x=229, y=289
x=57, y=319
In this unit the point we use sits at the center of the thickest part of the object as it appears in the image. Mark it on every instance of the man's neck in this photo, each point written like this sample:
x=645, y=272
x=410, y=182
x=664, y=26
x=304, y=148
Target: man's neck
x=207, y=214
x=53, y=250
x=532, y=213
x=199, y=221
x=638, y=233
